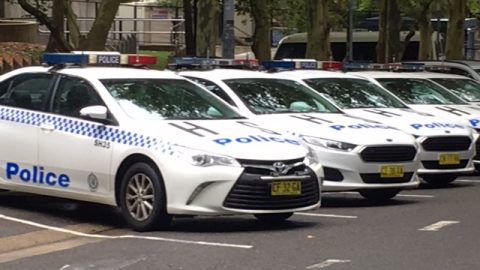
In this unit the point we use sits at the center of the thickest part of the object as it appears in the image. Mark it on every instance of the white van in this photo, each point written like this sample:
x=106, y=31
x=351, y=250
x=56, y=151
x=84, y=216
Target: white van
x=364, y=46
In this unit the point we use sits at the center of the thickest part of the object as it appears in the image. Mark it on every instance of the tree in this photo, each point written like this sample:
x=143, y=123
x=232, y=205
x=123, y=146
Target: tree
x=457, y=10
x=96, y=37
x=318, y=29
x=421, y=11
x=261, y=37
x=206, y=33
x=389, y=48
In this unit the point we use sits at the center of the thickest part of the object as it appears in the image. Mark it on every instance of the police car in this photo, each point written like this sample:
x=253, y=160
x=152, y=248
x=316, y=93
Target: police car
x=357, y=155
x=464, y=87
x=448, y=146
x=150, y=142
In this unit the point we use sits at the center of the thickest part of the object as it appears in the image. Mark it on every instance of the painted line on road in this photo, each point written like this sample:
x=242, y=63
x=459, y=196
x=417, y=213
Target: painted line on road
x=438, y=225
x=415, y=196
x=324, y=215
x=327, y=263
x=398, y=195
x=467, y=181
x=152, y=238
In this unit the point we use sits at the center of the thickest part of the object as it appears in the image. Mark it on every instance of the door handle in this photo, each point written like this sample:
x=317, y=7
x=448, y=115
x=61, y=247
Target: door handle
x=48, y=127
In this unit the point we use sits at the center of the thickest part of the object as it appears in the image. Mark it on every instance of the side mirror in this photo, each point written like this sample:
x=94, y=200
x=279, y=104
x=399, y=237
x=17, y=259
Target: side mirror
x=97, y=112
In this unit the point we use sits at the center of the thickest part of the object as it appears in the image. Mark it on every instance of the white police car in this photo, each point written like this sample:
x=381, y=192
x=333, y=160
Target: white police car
x=150, y=142
x=374, y=159
x=464, y=87
x=448, y=146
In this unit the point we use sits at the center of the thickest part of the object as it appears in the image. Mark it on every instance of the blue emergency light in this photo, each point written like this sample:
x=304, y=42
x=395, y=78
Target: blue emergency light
x=278, y=64
x=64, y=58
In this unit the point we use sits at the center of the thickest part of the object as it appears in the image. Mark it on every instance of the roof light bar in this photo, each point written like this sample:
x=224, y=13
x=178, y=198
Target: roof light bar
x=98, y=58
x=64, y=58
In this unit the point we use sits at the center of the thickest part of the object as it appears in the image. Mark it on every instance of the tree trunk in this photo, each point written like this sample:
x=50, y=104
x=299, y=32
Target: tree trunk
x=382, y=32
x=394, y=47
x=57, y=19
x=75, y=35
x=208, y=12
x=318, y=30
x=55, y=31
x=425, y=28
x=261, y=37
x=455, y=31
x=189, y=34
x=97, y=37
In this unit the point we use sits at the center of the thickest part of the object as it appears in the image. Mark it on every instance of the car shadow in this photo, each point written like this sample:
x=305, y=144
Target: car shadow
x=333, y=200
x=43, y=209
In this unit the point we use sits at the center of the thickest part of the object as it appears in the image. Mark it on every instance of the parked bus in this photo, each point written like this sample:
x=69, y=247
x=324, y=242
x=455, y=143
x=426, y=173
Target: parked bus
x=364, y=46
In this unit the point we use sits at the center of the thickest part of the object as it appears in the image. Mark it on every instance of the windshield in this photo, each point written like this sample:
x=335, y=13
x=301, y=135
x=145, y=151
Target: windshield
x=264, y=96
x=152, y=99
x=464, y=88
x=355, y=93
x=420, y=91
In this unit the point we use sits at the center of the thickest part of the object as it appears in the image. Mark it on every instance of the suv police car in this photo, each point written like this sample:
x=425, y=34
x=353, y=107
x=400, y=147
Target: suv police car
x=150, y=142
x=374, y=159
x=448, y=146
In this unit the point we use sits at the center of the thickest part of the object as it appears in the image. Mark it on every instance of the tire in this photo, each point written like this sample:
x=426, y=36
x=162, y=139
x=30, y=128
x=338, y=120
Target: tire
x=439, y=180
x=379, y=195
x=147, y=210
x=273, y=218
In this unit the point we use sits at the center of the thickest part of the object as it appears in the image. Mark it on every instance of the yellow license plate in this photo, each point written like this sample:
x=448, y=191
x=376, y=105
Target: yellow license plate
x=448, y=159
x=286, y=188
x=391, y=171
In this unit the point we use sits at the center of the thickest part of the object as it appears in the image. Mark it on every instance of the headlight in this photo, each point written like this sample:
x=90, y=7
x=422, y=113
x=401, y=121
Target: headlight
x=331, y=144
x=205, y=159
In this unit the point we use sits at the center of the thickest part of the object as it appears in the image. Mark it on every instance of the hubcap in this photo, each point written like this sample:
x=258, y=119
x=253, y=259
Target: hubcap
x=140, y=196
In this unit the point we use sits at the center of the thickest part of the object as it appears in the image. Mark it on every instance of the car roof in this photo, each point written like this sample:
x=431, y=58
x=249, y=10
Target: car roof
x=393, y=74
x=310, y=74
x=225, y=74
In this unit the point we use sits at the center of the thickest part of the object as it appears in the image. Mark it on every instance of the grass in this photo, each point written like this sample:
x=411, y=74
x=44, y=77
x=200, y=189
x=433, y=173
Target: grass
x=162, y=58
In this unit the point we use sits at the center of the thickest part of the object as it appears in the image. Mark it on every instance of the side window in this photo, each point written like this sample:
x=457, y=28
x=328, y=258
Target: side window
x=73, y=94
x=4, y=86
x=215, y=89
x=28, y=91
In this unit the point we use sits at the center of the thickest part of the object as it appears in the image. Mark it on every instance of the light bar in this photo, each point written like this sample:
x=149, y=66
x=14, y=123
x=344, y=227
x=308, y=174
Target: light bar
x=99, y=58
x=64, y=58
x=278, y=64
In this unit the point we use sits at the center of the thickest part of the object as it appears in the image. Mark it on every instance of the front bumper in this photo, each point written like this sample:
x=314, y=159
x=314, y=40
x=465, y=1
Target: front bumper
x=354, y=170
x=220, y=190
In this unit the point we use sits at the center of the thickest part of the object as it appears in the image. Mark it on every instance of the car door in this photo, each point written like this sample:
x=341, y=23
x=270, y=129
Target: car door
x=72, y=146
x=22, y=99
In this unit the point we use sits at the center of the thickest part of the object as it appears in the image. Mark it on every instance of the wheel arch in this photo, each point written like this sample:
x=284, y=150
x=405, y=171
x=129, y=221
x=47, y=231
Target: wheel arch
x=126, y=163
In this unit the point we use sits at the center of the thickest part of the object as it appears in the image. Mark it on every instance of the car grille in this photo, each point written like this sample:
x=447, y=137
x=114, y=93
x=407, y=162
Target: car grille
x=374, y=178
x=253, y=193
x=447, y=143
x=388, y=153
x=434, y=164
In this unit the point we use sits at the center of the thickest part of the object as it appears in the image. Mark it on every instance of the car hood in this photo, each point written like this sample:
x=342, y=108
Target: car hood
x=465, y=114
x=413, y=122
x=335, y=126
x=240, y=138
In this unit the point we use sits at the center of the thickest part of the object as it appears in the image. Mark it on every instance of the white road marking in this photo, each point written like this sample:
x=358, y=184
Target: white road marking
x=327, y=263
x=416, y=196
x=467, y=181
x=399, y=195
x=152, y=238
x=438, y=225
x=324, y=215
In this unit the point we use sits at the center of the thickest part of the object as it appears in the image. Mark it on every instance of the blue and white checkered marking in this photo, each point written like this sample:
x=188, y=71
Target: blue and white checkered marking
x=83, y=128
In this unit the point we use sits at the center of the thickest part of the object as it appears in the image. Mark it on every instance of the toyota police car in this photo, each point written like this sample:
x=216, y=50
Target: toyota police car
x=357, y=155
x=151, y=142
x=448, y=146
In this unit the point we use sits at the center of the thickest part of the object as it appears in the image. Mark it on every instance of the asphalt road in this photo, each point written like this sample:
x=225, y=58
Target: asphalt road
x=428, y=229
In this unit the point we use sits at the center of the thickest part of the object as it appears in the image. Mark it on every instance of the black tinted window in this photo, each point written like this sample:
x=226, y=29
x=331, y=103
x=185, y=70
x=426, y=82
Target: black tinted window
x=28, y=91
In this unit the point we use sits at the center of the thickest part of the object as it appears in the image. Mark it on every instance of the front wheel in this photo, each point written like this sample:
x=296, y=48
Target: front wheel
x=438, y=179
x=143, y=198
x=272, y=218
x=379, y=195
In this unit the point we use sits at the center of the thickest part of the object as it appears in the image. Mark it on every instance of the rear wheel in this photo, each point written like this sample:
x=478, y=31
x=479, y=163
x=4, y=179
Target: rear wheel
x=379, y=195
x=439, y=179
x=143, y=199
x=272, y=218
